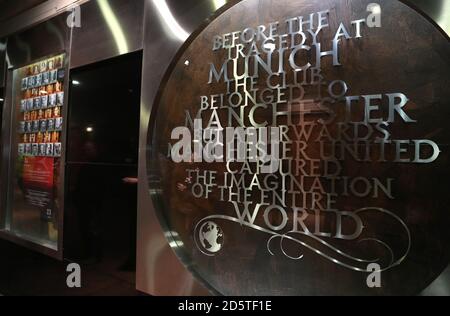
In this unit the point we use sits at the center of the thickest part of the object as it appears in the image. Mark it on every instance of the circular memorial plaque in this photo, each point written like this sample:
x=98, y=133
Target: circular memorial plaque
x=301, y=147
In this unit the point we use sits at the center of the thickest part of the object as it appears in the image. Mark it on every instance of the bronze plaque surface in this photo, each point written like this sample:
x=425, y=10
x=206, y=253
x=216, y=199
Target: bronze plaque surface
x=301, y=148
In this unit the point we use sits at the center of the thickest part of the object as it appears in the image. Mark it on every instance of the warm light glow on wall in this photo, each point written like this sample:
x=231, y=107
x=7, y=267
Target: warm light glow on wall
x=170, y=20
x=444, y=18
x=114, y=26
x=219, y=3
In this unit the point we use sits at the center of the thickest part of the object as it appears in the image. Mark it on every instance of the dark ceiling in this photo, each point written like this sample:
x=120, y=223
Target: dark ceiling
x=9, y=8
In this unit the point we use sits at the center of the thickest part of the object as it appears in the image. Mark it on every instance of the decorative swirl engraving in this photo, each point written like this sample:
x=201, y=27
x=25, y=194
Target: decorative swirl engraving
x=306, y=240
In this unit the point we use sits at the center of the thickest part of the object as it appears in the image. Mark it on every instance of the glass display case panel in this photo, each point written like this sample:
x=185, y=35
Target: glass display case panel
x=33, y=202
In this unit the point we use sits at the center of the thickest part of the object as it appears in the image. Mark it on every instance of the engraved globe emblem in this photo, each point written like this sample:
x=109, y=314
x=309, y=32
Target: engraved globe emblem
x=210, y=236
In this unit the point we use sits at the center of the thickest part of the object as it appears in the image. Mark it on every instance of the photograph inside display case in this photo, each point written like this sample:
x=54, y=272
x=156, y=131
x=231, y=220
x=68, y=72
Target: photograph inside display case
x=39, y=96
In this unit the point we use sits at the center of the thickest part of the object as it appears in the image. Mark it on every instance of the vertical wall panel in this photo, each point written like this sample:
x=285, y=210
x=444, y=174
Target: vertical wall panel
x=159, y=272
x=108, y=29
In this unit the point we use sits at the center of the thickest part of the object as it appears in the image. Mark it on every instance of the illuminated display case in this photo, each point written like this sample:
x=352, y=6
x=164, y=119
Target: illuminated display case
x=33, y=205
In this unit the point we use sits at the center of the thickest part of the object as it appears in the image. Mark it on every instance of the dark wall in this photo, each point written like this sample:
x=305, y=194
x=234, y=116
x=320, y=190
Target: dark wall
x=11, y=9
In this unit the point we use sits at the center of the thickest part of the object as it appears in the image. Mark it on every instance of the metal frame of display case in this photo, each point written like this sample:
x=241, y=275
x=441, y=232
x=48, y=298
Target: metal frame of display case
x=8, y=164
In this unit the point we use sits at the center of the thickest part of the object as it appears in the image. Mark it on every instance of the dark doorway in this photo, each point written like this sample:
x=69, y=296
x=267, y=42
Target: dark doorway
x=101, y=170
